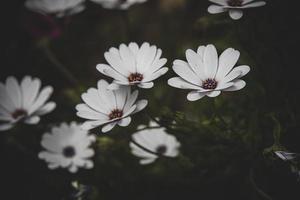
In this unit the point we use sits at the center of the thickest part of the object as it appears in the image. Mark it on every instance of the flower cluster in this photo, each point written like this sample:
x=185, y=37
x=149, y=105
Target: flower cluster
x=204, y=73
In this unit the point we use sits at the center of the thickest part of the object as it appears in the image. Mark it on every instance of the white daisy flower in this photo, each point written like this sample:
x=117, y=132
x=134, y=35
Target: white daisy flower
x=117, y=4
x=285, y=155
x=131, y=65
x=234, y=7
x=60, y=8
x=208, y=75
x=149, y=144
x=67, y=146
x=23, y=102
x=109, y=107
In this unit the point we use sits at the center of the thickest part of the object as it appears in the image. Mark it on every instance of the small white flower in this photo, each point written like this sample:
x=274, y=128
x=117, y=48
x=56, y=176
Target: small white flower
x=118, y=4
x=234, y=7
x=208, y=75
x=131, y=65
x=109, y=107
x=23, y=102
x=155, y=140
x=285, y=155
x=60, y=8
x=67, y=146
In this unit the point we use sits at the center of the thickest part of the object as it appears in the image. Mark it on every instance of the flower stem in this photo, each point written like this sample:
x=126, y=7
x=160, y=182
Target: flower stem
x=257, y=189
x=58, y=65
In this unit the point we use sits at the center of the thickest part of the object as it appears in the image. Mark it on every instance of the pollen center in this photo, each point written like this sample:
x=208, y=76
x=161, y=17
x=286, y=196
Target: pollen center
x=235, y=3
x=134, y=77
x=19, y=113
x=69, y=151
x=209, y=84
x=116, y=113
x=161, y=149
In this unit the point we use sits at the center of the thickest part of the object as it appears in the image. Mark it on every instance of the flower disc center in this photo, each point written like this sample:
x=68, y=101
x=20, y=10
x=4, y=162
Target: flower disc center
x=209, y=84
x=235, y=3
x=161, y=149
x=135, y=77
x=69, y=151
x=116, y=113
x=19, y=113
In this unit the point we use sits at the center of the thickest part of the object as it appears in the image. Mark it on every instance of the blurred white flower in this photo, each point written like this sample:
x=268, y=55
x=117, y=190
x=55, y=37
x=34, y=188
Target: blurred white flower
x=60, y=8
x=117, y=4
x=131, y=65
x=23, y=102
x=234, y=7
x=150, y=143
x=67, y=146
x=208, y=75
x=285, y=155
x=109, y=107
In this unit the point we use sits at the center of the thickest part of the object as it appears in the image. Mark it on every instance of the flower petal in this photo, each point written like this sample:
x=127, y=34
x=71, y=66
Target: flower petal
x=124, y=122
x=195, y=95
x=227, y=61
x=235, y=14
x=214, y=9
x=210, y=60
x=108, y=127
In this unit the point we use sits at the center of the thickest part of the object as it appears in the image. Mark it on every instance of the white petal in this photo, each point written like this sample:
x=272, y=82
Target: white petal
x=5, y=127
x=124, y=122
x=214, y=9
x=244, y=69
x=227, y=61
x=184, y=71
x=235, y=14
x=108, y=71
x=114, y=60
x=14, y=91
x=213, y=93
x=32, y=120
x=140, y=105
x=210, y=61
x=231, y=76
x=5, y=100
x=127, y=57
x=108, y=127
x=195, y=95
x=41, y=99
x=255, y=4
x=121, y=96
x=238, y=85
x=220, y=2
x=180, y=83
x=113, y=86
x=146, y=85
x=196, y=62
x=247, y=1
x=50, y=106
x=134, y=48
x=156, y=65
x=30, y=88
x=88, y=125
x=147, y=161
x=131, y=98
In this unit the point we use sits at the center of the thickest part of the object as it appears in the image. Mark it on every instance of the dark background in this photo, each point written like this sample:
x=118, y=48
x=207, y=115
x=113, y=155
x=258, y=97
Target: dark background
x=218, y=161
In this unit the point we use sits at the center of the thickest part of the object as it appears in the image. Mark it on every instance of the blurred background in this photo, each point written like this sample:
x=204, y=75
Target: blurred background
x=228, y=142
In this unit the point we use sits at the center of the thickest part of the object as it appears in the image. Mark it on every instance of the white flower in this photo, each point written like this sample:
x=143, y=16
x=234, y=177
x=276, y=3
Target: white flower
x=234, y=7
x=154, y=140
x=118, y=4
x=59, y=8
x=206, y=74
x=285, y=155
x=67, y=146
x=23, y=102
x=109, y=107
x=131, y=65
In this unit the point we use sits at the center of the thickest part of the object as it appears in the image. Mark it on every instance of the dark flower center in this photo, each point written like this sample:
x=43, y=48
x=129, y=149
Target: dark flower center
x=209, y=84
x=69, y=152
x=161, y=149
x=134, y=77
x=116, y=113
x=235, y=3
x=19, y=113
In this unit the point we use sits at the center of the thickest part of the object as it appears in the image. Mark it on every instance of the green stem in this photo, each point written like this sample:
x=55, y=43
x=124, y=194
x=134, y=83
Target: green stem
x=257, y=189
x=58, y=65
